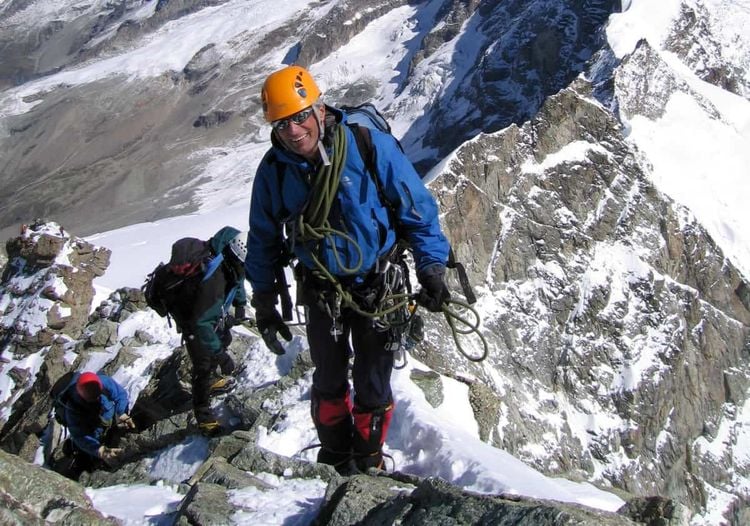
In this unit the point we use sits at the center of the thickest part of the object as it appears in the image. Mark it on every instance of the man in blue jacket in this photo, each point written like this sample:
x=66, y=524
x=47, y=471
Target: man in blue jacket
x=312, y=191
x=95, y=405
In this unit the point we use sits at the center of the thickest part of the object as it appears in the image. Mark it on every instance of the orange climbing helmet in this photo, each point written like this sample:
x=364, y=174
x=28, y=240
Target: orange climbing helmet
x=288, y=91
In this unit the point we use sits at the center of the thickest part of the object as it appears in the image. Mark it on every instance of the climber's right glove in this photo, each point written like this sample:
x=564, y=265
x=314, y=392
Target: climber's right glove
x=269, y=321
x=125, y=422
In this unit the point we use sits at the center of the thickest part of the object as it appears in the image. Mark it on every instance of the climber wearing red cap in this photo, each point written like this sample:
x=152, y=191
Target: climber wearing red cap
x=96, y=406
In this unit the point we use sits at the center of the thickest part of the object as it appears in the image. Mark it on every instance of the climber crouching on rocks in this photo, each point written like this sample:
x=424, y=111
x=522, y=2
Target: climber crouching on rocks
x=96, y=408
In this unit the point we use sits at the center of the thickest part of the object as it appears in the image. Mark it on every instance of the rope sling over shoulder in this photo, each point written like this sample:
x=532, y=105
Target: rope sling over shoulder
x=313, y=226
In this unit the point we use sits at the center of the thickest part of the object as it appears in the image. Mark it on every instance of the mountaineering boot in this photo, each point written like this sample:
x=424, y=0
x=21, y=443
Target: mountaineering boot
x=333, y=421
x=222, y=385
x=207, y=423
x=209, y=429
x=371, y=428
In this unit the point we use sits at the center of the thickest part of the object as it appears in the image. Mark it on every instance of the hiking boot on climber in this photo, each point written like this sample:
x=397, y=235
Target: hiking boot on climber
x=338, y=196
x=208, y=424
x=222, y=385
x=201, y=305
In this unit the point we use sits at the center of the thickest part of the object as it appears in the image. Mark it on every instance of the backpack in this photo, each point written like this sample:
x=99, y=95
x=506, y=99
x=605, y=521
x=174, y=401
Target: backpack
x=368, y=116
x=170, y=288
x=59, y=393
x=361, y=119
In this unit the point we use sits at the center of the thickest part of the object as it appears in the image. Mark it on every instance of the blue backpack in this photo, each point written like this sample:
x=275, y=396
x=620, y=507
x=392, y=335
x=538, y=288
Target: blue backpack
x=361, y=119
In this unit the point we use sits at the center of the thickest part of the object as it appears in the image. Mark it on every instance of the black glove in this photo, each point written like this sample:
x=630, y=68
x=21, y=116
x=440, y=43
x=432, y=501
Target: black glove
x=434, y=292
x=269, y=321
x=239, y=313
x=225, y=363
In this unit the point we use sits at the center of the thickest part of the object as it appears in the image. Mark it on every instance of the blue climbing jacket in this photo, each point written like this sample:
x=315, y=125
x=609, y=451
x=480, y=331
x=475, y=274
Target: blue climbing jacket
x=88, y=423
x=282, y=187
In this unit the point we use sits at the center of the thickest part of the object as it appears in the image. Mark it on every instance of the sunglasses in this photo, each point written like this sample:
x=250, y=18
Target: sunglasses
x=298, y=118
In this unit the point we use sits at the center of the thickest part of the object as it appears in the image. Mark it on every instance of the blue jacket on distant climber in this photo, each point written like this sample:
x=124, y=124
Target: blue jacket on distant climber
x=313, y=147
x=96, y=405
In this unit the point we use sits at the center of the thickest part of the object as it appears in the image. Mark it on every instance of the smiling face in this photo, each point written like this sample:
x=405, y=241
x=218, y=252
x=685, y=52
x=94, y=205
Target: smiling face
x=301, y=137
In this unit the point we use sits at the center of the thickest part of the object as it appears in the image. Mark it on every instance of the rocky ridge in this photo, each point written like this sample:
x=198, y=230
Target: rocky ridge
x=605, y=304
x=163, y=414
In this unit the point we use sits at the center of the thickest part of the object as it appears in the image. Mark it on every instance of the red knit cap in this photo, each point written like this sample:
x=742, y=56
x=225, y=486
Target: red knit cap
x=89, y=386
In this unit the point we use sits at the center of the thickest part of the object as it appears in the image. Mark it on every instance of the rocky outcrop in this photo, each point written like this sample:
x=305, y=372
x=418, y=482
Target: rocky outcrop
x=34, y=495
x=46, y=292
x=693, y=40
x=531, y=50
x=388, y=500
x=50, y=269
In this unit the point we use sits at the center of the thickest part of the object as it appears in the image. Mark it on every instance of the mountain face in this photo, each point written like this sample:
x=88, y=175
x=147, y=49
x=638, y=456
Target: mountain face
x=473, y=66
x=606, y=304
x=617, y=323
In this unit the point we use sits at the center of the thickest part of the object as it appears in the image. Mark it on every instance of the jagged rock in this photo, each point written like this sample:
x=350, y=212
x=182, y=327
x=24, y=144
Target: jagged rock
x=168, y=392
x=120, y=305
x=557, y=333
x=486, y=406
x=102, y=334
x=692, y=39
x=362, y=500
x=29, y=418
x=206, y=504
x=133, y=472
x=381, y=500
x=655, y=511
x=263, y=406
x=44, y=495
x=50, y=273
x=217, y=470
x=258, y=460
x=430, y=384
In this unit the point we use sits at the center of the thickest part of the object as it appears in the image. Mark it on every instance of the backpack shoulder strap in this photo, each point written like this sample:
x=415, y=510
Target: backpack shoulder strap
x=282, y=288
x=213, y=264
x=369, y=155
